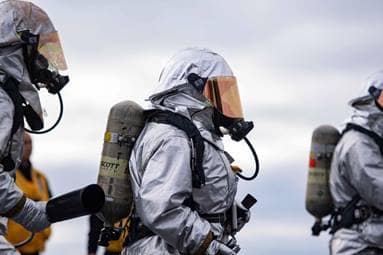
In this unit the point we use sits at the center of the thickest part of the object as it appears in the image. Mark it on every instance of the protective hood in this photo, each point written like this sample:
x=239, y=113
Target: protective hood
x=364, y=98
x=173, y=90
x=17, y=16
x=369, y=116
x=366, y=113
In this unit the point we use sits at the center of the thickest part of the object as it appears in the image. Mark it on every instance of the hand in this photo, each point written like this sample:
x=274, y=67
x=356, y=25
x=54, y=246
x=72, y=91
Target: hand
x=217, y=247
x=243, y=215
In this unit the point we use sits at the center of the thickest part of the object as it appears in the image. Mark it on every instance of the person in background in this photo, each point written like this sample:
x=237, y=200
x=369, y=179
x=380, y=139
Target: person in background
x=356, y=176
x=35, y=186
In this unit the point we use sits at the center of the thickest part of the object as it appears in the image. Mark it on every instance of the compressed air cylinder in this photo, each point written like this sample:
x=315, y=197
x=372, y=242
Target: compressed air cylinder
x=125, y=122
x=318, y=197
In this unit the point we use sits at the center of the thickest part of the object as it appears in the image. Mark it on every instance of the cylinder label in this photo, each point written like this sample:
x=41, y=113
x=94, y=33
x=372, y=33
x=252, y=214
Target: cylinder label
x=318, y=176
x=113, y=167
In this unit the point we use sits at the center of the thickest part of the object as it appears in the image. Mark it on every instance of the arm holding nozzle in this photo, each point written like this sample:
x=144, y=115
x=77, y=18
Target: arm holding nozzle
x=35, y=216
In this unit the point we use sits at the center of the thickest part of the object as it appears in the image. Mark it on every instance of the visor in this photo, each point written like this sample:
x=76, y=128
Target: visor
x=50, y=48
x=223, y=93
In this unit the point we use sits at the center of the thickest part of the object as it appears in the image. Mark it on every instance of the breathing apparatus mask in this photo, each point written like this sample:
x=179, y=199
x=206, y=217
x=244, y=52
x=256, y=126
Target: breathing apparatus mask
x=223, y=94
x=43, y=56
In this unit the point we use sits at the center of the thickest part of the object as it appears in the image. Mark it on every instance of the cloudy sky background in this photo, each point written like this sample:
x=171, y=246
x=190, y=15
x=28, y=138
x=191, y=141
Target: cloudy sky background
x=297, y=64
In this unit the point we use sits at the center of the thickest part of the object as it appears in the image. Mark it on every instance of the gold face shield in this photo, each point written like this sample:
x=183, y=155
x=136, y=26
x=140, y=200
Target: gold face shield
x=223, y=93
x=50, y=47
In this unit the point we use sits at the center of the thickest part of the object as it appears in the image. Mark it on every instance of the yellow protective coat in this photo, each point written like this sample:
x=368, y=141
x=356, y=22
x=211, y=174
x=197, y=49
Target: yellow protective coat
x=37, y=190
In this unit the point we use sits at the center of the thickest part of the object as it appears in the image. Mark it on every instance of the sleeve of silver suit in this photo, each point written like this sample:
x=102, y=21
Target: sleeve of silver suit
x=165, y=185
x=10, y=194
x=6, y=120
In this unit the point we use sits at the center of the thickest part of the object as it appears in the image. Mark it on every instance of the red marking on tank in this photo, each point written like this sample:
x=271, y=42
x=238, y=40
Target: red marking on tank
x=312, y=163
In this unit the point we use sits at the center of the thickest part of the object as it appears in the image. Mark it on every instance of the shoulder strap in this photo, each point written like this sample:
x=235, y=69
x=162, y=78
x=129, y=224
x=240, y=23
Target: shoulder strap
x=378, y=139
x=186, y=125
x=10, y=87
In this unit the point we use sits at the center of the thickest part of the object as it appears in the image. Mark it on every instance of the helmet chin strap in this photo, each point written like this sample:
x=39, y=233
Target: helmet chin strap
x=55, y=124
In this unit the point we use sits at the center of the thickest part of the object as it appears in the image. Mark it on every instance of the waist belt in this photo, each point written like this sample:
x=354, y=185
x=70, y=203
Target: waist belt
x=215, y=218
x=358, y=215
x=139, y=230
x=371, y=251
x=362, y=213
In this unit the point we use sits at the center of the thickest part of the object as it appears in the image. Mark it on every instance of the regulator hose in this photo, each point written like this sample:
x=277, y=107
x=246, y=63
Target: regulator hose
x=57, y=121
x=256, y=171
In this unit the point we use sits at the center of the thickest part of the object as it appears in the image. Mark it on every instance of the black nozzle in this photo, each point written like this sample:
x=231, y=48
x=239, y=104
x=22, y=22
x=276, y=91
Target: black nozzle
x=88, y=200
x=248, y=201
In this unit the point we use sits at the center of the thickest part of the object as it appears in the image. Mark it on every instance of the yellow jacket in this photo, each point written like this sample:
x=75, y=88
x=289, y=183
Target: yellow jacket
x=37, y=190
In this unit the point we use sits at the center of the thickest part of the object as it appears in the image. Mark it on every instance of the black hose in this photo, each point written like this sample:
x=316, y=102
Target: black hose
x=57, y=121
x=256, y=171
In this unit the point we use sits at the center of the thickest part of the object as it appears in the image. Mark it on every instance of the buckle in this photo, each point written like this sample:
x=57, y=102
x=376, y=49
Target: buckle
x=362, y=213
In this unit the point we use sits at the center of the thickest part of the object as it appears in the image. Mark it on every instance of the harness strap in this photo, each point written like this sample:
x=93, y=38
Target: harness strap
x=378, y=139
x=10, y=86
x=197, y=141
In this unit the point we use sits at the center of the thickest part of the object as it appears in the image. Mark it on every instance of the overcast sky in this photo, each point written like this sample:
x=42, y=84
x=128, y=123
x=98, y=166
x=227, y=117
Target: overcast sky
x=297, y=64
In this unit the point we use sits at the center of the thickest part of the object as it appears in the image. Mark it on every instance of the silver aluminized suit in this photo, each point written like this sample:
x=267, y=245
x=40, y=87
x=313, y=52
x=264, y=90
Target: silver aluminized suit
x=12, y=64
x=357, y=168
x=160, y=163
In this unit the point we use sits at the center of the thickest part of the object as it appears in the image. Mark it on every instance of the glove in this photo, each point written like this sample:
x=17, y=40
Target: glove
x=33, y=216
x=243, y=215
x=217, y=247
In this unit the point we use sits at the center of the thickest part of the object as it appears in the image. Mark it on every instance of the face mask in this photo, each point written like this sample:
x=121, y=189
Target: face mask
x=222, y=93
x=237, y=128
x=43, y=57
x=41, y=71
